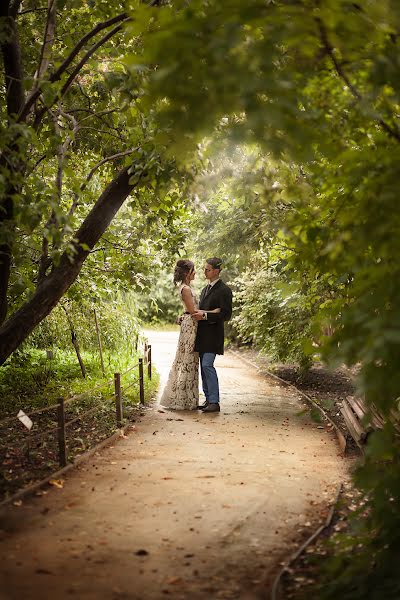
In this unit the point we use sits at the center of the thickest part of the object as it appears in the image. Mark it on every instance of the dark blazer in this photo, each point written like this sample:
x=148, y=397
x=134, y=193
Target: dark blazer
x=210, y=333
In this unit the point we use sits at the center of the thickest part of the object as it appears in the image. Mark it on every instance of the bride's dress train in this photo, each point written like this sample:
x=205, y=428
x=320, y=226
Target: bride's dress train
x=182, y=389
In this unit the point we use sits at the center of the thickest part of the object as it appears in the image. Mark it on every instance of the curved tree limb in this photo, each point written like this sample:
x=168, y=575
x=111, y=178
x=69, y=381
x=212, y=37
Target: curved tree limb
x=76, y=70
x=56, y=76
x=48, y=41
x=92, y=172
x=391, y=131
x=16, y=329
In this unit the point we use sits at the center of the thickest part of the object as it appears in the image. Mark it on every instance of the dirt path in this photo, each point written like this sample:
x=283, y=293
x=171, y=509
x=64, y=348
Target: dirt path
x=187, y=506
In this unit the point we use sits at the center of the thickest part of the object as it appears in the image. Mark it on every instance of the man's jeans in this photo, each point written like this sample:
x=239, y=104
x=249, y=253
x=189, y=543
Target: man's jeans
x=209, y=377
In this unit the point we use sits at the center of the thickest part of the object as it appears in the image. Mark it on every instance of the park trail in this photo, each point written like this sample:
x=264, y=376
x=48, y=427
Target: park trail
x=186, y=506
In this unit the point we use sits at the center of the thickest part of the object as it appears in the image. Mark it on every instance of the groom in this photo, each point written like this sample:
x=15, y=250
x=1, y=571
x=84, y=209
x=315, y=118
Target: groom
x=210, y=331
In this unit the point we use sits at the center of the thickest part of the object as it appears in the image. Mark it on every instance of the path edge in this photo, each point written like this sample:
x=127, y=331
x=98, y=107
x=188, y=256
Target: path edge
x=31, y=489
x=340, y=437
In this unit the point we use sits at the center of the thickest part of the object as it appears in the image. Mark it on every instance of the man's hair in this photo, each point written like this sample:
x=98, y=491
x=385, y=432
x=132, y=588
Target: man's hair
x=215, y=262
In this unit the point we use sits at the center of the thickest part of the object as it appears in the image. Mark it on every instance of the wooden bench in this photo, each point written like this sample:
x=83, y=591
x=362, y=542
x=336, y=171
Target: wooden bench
x=354, y=412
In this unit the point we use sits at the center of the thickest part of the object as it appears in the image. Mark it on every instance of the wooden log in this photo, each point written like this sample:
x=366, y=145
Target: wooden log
x=353, y=424
x=375, y=421
x=149, y=362
x=378, y=421
x=357, y=406
x=141, y=382
x=118, y=398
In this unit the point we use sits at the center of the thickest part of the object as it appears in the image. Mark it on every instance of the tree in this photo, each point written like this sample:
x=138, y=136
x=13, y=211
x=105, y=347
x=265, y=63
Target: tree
x=315, y=85
x=75, y=145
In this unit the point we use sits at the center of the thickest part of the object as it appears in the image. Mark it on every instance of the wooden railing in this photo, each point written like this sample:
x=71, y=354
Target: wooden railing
x=60, y=430
x=362, y=420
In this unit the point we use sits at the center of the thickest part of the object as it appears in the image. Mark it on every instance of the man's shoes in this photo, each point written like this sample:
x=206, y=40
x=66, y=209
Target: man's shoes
x=212, y=407
x=203, y=406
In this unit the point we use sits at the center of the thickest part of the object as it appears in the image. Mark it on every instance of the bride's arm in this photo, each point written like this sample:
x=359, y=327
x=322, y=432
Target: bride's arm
x=188, y=299
x=216, y=310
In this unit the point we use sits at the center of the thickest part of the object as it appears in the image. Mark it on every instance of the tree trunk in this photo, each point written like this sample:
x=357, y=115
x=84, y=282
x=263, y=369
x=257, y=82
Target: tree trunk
x=15, y=99
x=75, y=344
x=16, y=329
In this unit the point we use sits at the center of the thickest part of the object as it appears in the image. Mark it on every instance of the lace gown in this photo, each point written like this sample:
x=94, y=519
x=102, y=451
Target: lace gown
x=182, y=389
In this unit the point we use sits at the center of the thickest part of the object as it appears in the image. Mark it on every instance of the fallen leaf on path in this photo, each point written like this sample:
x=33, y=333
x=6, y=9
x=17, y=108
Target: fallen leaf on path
x=117, y=590
x=161, y=411
x=58, y=483
x=174, y=580
x=17, y=502
x=141, y=552
x=43, y=572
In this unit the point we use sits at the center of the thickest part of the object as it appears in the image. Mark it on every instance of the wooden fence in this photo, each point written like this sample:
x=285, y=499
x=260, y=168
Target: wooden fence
x=60, y=430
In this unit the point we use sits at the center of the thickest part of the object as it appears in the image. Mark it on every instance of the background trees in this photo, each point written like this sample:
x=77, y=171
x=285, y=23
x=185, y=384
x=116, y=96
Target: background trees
x=75, y=143
x=295, y=106
x=315, y=86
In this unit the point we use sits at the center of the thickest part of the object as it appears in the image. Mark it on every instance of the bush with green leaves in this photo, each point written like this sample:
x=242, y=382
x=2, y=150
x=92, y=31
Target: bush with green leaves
x=162, y=304
x=276, y=323
x=315, y=83
x=118, y=322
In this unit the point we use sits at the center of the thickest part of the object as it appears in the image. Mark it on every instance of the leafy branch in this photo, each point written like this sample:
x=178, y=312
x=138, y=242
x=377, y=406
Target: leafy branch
x=56, y=76
x=330, y=51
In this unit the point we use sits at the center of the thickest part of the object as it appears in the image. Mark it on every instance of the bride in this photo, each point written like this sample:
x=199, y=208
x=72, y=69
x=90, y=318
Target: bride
x=182, y=389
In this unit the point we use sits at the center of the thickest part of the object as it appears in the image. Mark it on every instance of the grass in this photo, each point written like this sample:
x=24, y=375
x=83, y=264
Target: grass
x=31, y=381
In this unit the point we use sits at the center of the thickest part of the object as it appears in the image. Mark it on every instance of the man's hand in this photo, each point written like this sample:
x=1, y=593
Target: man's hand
x=198, y=315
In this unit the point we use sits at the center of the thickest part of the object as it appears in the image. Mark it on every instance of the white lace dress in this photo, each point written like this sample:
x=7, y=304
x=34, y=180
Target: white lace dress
x=182, y=389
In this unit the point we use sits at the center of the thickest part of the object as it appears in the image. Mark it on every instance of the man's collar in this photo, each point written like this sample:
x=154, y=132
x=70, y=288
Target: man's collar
x=212, y=283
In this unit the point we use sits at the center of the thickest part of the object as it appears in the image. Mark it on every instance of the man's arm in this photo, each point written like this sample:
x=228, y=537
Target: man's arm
x=225, y=306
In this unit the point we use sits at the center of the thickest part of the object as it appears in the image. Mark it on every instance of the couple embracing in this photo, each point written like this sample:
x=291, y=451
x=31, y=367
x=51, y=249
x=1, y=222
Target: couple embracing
x=201, y=337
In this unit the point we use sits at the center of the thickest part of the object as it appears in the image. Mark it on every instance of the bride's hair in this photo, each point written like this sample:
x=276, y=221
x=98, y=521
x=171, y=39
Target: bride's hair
x=182, y=268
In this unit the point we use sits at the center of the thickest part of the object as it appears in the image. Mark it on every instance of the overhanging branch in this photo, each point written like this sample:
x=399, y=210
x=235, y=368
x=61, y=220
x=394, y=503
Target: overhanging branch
x=56, y=76
x=16, y=329
x=92, y=172
x=391, y=131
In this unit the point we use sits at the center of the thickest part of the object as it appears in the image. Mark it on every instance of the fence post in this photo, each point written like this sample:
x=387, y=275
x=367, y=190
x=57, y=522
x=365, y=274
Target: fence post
x=141, y=382
x=149, y=361
x=62, y=449
x=118, y=398
x=145, y=350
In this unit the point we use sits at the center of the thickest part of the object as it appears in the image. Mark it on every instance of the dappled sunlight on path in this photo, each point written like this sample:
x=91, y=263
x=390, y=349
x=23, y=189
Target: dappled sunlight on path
x=189, y=505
